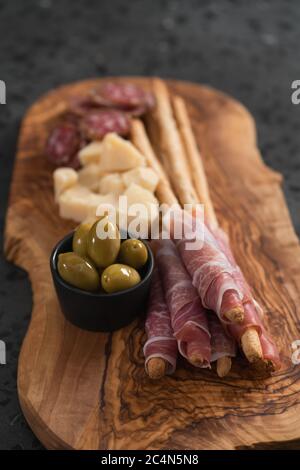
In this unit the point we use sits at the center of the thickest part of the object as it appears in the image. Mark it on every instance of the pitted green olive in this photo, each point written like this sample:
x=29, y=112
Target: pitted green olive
x=78, y=271
x=118, y=277
x=103, y=251
x=80, y=238
x=134, y=253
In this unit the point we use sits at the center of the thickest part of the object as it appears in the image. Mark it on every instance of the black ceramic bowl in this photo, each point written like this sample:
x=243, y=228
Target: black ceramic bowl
x=97, y=311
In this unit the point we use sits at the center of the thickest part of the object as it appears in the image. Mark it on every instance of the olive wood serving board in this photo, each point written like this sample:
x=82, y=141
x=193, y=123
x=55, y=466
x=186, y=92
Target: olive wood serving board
x=82, y=390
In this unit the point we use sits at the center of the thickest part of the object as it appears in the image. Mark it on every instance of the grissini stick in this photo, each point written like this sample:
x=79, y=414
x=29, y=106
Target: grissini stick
x=176, y=164
x=156, y=366
x=223, y=366
x=140, y=139
x=194, y=160
x=250, y=341
x=172, y=151
x=160, y=349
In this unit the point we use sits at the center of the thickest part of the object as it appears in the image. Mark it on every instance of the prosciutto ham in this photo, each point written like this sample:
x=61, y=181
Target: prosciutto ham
x=188, y=317
x=215, y=273
x=211, y=272
x=161, y=342
x=221, y=344
x=253, y=313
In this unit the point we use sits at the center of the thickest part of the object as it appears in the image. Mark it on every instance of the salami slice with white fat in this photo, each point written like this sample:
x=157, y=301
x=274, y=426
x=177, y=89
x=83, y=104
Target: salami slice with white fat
x=160, y=339
x=126, y=96
x=81, y=105
x=63, y=143
x=96, y=124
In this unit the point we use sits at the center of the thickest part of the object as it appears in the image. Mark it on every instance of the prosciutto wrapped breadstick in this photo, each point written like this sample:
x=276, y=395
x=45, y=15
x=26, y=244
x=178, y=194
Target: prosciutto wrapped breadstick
x=173, y=154
x=221, y=344
x=140, y=139
x=188, y=317
x=160, y=349
x=223, y=348
x=251, y=334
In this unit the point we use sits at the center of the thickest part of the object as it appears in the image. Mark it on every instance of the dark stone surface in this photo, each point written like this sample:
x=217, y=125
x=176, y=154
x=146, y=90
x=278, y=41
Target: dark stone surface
x=246, y=48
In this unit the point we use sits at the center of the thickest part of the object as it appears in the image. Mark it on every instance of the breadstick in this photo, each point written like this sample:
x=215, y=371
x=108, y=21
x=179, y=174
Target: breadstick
x=173, y=154
x=195, y=163
x=171, y=146
x=223, y=366
x=250, y=341
x=156, y=367
x=251, y=346
x=176, y=162
x=140, y=139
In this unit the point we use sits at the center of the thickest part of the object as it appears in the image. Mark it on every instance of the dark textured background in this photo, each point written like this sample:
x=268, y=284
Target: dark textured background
x=249, y=49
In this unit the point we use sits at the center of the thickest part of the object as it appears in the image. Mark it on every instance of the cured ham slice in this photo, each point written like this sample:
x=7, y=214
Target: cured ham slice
x=221, y=344
x=188, y=317
x=253, y=312
x=255, y=343
x=161, y=342
x=211, y=272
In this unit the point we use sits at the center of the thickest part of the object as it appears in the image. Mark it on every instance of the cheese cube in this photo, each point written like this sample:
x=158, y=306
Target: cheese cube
x=137, y=195
x=119, y=155
x=89, y=176
x=111, y=183
x=63, y=178
x=144, y=177
x=91, y=153
x=79, y=202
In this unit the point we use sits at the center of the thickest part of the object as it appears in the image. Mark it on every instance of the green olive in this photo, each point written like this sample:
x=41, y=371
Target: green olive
x=80, y=238
x=119, y=277
x=78, y=271
x=103, y=251
x=134, y=253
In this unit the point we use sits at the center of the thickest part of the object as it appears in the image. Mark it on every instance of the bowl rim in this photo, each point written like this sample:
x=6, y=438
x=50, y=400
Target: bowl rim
x=100, y=295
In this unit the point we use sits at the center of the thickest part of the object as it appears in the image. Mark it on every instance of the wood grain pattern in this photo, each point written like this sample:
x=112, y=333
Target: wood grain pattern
x=87, y=390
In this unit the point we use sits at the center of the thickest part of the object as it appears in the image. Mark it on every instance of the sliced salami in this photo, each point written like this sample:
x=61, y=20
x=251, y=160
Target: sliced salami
x=160, y=339
x=126, y=96
x=63, y=144
x=96, y=124
x=80, y=106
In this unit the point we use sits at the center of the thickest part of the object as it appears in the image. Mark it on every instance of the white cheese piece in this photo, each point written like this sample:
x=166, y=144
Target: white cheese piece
x=111, y=183
x=97, y=201
x=78, y=203
x=137, y=194
x=91, y=153
x=139, y=220
x=72, y=203
x=63, y=178
x=89, y=176
x=144, y=177
x=119, y=155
